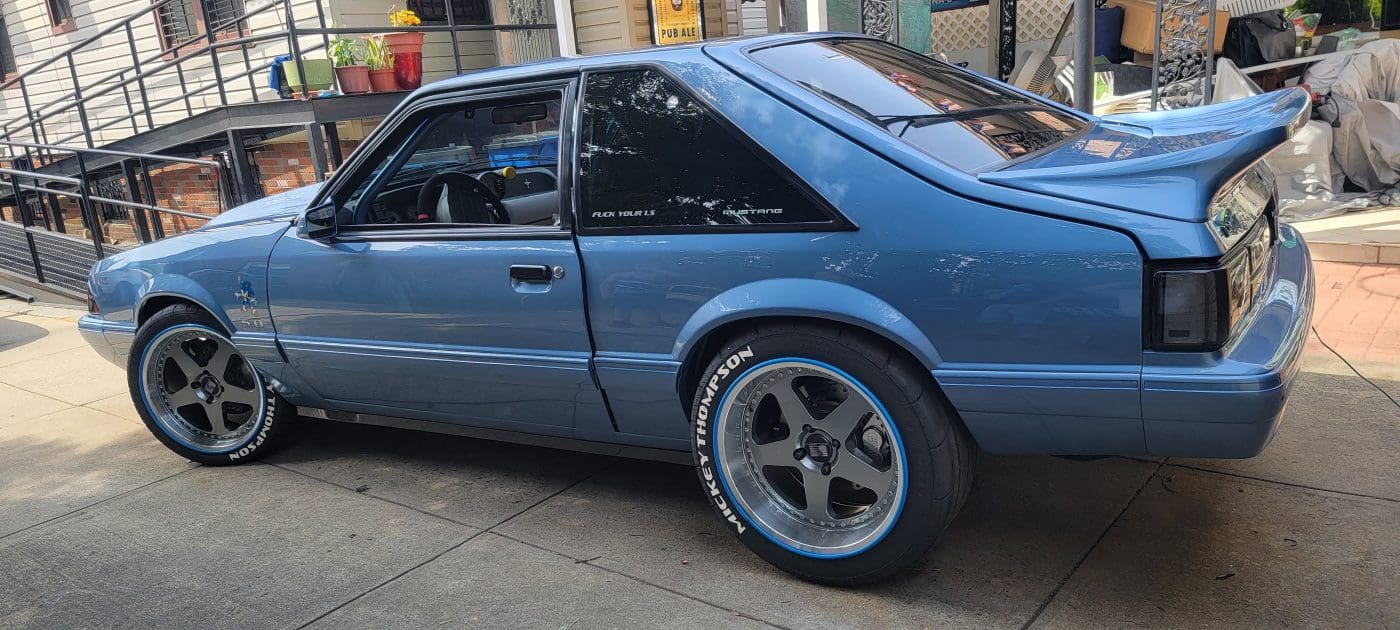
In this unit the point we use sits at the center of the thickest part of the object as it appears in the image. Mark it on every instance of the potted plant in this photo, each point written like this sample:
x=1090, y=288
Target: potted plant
x=381, y=65
x=352, y=75
x=407, y=48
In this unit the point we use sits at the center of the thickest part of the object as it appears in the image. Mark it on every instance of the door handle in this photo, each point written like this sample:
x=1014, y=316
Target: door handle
x=530, y=273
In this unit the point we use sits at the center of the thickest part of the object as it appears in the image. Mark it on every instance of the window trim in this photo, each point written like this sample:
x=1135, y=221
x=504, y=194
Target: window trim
x=838, y=221
x=345, y=177
x=65, y=25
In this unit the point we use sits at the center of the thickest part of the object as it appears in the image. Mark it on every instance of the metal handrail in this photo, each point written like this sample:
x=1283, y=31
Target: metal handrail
x=126, y=154
x=85, y=197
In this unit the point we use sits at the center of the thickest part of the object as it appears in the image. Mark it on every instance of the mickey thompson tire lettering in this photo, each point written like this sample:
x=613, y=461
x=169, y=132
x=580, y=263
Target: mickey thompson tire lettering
x=269, y=417
x=703, y=413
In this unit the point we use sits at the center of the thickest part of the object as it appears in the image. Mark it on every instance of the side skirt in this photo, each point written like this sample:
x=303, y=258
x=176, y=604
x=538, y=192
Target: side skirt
x=547, y=441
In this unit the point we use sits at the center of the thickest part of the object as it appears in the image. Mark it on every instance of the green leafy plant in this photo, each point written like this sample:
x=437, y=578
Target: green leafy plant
x=377, y=54
x=344, y=51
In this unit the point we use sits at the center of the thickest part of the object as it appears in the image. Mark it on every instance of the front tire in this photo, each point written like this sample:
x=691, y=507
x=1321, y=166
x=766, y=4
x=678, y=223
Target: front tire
x=827, y=454
x=197, y=393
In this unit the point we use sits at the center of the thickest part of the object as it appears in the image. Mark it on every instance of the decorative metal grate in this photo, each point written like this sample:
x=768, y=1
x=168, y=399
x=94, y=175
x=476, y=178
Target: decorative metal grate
x=1184, y=64
x=880, y=18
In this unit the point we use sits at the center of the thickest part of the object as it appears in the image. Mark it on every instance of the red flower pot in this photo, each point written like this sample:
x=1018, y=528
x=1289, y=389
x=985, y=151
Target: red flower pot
x=407, y=49
x=353, y=79
x=383, y=80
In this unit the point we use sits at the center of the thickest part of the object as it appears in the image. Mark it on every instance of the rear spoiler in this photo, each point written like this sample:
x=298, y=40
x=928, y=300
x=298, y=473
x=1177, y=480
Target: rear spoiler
x=1167, y=163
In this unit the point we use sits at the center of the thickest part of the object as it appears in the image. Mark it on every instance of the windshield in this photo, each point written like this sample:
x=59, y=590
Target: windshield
x=968, y=121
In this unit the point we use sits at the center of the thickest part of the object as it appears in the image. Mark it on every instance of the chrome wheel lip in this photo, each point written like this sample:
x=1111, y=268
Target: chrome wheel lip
x=726, y=467
x=170, y=422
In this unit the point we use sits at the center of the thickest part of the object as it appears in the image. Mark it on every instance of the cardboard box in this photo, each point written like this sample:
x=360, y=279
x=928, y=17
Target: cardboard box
x=1140, y=18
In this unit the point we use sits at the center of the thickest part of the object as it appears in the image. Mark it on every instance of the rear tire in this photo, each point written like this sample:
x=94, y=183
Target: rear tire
x=198, y=395
x=827, y=454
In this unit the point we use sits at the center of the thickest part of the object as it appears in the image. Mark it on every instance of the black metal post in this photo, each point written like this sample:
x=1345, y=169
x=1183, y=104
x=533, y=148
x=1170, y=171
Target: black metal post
x=317, y=143
x=143, y=229
x=130, y=113
x=36, y=128
x=321, y=21
x=38, y=197
x=452, y=24
x=294, y=43
x=225, y=182
x=242, y=168
x=248, y=63
x=333, y=141
x=151, y=197
x=140, y=78
x=213, y=40
x=78, y=100
x=85, y=204
x=27, y=221
x=57, y=214
x=180, y=74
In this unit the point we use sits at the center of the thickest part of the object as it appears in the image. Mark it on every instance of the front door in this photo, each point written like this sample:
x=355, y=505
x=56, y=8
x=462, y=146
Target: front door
x=452, y=291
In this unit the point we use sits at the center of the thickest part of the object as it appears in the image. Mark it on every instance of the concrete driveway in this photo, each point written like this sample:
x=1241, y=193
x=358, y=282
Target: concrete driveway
x=366, y=527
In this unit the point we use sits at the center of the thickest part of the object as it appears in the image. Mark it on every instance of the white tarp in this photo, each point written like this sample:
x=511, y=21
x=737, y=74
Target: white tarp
x=1359, y=132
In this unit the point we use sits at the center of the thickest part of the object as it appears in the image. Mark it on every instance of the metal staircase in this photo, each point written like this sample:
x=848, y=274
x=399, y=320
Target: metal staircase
x=99, y=166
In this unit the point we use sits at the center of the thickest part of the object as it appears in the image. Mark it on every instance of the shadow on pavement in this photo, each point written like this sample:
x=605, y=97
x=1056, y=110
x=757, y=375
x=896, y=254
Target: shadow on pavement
x=14, y=334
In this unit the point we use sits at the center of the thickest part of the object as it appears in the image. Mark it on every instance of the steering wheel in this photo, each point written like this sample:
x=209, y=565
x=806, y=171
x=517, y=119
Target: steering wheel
x=468, y=200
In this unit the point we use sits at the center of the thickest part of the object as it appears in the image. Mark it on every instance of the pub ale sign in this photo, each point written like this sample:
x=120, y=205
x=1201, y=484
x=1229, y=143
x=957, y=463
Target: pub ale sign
x=676, y=21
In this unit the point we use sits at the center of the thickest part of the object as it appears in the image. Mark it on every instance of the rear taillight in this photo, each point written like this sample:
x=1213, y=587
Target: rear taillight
x=1190, y=310
x=1195, y=309
x=92, y=303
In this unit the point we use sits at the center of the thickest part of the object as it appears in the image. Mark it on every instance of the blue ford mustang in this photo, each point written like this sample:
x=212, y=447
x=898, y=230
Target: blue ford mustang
x=821, y=268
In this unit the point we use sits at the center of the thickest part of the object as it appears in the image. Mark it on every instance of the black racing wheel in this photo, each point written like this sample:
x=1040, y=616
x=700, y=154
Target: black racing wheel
x=468, y=200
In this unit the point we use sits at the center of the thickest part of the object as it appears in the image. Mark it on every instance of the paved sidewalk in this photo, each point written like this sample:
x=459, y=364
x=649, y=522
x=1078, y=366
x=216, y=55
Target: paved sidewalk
x=367, y=527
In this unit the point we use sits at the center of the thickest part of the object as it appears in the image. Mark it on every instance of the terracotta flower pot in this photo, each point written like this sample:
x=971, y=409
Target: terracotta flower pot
x=353, y=79
x=383, y=80
x=407, y=49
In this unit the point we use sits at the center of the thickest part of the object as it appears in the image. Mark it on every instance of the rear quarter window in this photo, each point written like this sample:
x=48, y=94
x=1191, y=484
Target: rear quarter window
x=969, y=122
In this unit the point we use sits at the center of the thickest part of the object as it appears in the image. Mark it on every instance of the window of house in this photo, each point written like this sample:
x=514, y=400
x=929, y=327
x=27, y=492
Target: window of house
x=652, y=156
x=7, y=52
x=448, y=165
x=181, y=21
x=60, y=14
x=463, y=11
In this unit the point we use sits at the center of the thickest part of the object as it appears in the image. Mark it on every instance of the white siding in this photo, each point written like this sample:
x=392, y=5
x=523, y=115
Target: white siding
x=755, y=17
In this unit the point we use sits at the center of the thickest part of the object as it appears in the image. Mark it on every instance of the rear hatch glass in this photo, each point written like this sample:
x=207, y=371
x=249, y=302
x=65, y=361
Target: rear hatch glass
x=967, y=121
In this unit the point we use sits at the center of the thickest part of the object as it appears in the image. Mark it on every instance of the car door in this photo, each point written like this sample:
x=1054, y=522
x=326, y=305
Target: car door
x=425, y=304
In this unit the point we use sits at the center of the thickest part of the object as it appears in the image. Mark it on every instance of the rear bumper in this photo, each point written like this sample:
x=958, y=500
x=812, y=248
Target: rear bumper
x=1229, y=403
x=112, y=340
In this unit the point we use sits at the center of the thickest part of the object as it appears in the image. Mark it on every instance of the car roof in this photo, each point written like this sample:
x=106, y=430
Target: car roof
x=567, y=65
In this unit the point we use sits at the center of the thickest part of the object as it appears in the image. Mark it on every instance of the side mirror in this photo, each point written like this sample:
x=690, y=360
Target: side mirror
x=320, y=221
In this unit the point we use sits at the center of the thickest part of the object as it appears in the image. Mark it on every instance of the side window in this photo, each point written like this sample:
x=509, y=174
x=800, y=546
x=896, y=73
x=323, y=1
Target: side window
x=651, y=156
x=480, y=163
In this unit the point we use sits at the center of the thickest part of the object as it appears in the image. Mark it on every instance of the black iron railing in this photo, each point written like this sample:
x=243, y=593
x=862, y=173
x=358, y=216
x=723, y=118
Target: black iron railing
x=235, y=33
x=139, y=192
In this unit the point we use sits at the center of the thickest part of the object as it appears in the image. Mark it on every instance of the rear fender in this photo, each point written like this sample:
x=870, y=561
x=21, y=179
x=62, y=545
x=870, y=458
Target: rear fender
x=804, y=297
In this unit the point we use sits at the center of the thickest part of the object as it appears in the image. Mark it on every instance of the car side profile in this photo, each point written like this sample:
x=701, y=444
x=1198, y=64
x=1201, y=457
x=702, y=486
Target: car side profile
x=822, y=269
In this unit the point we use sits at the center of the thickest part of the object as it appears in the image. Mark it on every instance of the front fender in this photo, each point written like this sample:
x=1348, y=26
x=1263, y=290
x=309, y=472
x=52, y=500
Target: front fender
x=805, y=297
x=184, y=288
